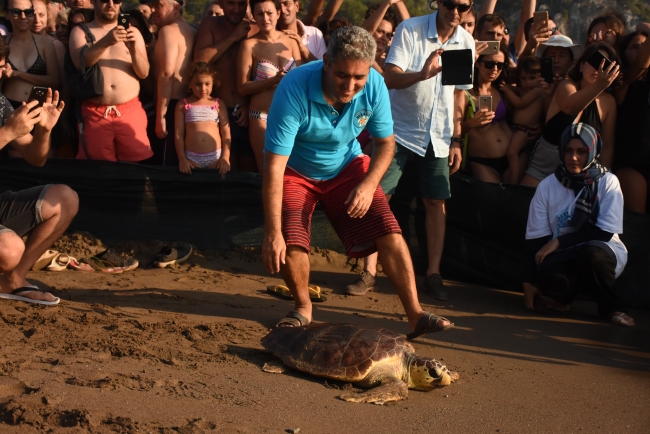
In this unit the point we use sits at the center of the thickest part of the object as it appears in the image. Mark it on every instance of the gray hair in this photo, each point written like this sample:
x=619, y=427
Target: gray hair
x=351, y=42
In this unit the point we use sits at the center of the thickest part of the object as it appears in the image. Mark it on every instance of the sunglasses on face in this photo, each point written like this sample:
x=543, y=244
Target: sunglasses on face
x=18, y=12
x=115, y=2
x=448, y=4
x=490, y=64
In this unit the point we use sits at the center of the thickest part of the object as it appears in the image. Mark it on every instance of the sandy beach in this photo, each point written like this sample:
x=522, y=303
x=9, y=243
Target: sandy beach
x=178, y=350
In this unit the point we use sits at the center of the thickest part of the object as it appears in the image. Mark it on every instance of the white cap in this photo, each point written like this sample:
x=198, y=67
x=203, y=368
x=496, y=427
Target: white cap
x=559, y=41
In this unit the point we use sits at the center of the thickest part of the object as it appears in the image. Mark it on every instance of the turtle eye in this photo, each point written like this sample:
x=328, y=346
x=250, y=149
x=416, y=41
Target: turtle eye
x=433, y=373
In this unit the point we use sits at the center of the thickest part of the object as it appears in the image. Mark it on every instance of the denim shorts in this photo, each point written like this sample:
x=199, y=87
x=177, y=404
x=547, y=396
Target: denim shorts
x=20, y=211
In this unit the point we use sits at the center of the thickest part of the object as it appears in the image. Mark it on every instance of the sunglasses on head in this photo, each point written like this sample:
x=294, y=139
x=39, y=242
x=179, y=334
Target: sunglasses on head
x=448, y=4
x=490, y=64
x=18, y=12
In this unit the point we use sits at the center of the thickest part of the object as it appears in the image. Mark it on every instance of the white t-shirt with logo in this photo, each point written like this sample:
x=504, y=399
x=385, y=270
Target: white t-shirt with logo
x=552, y=207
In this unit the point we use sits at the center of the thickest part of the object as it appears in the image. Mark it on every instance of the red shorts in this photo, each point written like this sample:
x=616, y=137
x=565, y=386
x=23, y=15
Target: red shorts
x=301, y=195
x=115, y=133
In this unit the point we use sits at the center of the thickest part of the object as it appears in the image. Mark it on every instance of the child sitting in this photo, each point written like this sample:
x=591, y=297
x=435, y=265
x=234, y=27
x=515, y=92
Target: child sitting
x=528, y=100
x=202, y=128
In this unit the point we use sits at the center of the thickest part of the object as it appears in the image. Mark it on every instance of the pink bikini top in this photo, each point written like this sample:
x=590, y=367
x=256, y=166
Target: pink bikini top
x=201, y=113
x=266, y=70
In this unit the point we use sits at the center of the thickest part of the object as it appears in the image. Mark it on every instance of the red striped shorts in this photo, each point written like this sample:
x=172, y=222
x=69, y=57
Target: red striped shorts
x=301, y=195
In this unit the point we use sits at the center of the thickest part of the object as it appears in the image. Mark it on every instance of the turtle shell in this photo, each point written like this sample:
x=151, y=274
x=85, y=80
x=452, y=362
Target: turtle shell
x=340, y=351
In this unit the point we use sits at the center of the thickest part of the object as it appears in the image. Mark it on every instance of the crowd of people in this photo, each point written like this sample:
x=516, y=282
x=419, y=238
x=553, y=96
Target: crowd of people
x=256, y=89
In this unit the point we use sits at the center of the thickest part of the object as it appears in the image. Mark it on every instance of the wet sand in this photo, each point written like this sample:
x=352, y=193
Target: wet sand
x=177, y=350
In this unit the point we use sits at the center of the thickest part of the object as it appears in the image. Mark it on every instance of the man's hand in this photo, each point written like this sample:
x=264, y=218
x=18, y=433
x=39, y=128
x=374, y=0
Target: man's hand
x=432, y=66
x=455, y=157
x=115, y=35
x=360, y=199
x=548, y=248
x=161, y=128
x=274, y=251
x=479, y=46
x=130, y=38
x=242, y=116
x=22, y=121
x=241, y=30
x=51, y=111
x=304, y=51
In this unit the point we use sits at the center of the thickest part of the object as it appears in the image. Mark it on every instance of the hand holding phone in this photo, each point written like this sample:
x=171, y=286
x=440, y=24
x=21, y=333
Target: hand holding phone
x=546, y=69
x=540, y=19
x=123, y=20
x=485, y=102
x=492, y=47
x=39, y=94
x=596, y=59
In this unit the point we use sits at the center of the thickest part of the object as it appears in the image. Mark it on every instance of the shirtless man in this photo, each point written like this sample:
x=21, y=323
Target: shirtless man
x=310, y=39
x=173, y=57
x=217, y=43
x=115, y=124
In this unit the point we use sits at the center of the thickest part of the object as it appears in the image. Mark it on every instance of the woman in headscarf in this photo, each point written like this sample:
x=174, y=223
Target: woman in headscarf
x=572, y=243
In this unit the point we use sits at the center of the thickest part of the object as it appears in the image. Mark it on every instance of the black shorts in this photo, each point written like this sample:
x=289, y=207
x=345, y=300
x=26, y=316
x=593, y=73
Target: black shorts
x=240, y=141
x=20, y=211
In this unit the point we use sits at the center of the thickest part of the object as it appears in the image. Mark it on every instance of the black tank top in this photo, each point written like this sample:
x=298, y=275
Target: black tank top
x=633, y=126
x=555, y=126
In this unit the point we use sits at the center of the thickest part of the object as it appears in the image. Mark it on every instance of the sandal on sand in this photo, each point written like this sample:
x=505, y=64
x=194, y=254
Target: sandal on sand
x=60, y=262
x=293, y=319
x=618, y=318
x=282, y=291
x=18, y=295
x=80, y=266
x=99, y=265
x=45, y=260
x=428, y=323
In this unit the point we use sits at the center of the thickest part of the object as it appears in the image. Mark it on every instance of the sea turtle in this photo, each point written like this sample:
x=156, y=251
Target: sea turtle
x=369, y=357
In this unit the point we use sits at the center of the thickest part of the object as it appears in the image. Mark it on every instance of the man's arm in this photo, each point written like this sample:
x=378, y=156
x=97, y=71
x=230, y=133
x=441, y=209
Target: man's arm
x=209, y=51
x=95, y=51
x=396, y=78
x=135, y=43
x=273, y=247
x=313, y=11
x=166, y=54
x=329, y=12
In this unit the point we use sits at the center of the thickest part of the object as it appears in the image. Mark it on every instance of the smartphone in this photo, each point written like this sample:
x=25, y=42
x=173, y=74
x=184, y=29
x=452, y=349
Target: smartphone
x=492, y=48
x=597, y=57
x=540, y=18
x=485, y=102
x=546, y=69
x=37, y=94
x=123, y=20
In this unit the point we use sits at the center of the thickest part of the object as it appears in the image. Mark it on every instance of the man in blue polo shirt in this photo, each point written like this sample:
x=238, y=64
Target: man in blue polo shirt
x=312, y=156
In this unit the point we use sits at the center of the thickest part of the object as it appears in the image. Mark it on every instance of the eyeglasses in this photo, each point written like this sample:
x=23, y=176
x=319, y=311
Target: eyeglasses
x=506, y=31
x=599, y=36
x=448, y=4
x=115, y=2
x=390, y=36
x=29, y=13
x=490, y=64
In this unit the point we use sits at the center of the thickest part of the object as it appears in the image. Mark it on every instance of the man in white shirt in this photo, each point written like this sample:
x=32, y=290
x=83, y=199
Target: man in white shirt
x=310, y=39
x=423, y=114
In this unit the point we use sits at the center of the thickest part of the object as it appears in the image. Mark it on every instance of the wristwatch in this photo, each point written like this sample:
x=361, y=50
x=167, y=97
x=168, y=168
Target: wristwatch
x=457, y=139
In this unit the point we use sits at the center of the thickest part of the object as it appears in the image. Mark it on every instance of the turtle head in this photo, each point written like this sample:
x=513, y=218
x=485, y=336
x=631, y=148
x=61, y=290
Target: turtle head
x=428, y=374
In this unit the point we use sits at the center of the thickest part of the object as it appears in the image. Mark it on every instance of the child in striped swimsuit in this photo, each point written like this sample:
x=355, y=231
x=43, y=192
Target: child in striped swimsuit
x=202, y=130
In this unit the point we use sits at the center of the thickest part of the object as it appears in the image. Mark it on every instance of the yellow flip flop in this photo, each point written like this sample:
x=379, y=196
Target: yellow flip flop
x=282, y=291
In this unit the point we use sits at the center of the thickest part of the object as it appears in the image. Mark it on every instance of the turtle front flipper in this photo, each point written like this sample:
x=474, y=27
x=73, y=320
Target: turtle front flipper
x=389, y=390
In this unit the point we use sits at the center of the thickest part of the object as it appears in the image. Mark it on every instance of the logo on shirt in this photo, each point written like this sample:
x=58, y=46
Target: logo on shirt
x=362, y=117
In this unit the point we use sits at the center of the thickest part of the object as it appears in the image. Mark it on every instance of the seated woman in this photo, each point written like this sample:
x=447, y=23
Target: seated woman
x=580, y=98
x=32, y=59
x=632, y=154
x=263, y=60
x=572, y=242
x=487, y=131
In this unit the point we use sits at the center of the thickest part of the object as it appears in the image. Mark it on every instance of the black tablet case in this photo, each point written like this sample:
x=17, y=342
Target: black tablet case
x=457, y=67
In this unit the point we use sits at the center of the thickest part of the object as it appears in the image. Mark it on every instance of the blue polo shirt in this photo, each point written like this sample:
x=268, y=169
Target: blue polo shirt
x=319, y=141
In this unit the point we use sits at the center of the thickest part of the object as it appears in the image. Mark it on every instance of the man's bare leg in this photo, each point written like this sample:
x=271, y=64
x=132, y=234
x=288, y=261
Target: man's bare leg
x=59, y=207
x=295, y=272
x=397, y=264
x=436, y=214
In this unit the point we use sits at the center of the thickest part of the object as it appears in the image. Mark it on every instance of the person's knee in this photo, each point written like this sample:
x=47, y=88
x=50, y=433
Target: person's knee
x=60, y=199
x=11, y=251
x=591, y=256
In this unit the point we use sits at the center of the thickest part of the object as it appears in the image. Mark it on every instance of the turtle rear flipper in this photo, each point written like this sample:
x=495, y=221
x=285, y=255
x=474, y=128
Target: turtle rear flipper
x=389, y=390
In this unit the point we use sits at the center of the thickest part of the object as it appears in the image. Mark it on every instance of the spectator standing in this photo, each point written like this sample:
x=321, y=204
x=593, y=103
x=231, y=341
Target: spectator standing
x=53, y=8
x=173, y=58
x=574, y=220
x=145, y=10
x=214, y=9
x=608, y=28
x=79, y=4
x=217, y=43
x=32, y=61
x=114, y=126
x=312, y=44
x=423, y=112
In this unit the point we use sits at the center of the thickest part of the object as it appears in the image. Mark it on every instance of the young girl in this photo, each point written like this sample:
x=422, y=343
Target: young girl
x=528, y=100
x=263, y=60
x=202, y=128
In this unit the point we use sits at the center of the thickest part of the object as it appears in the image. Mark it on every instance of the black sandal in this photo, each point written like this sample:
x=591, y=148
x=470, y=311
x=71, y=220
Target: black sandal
x=293, y=319
x=428, y=323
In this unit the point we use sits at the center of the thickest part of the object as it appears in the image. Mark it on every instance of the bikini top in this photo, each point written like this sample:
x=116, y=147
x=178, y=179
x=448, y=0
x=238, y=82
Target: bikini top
x=201, y=113
x=266, y=70
x=38, y=67
x=557, y=124
x=500, y=113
